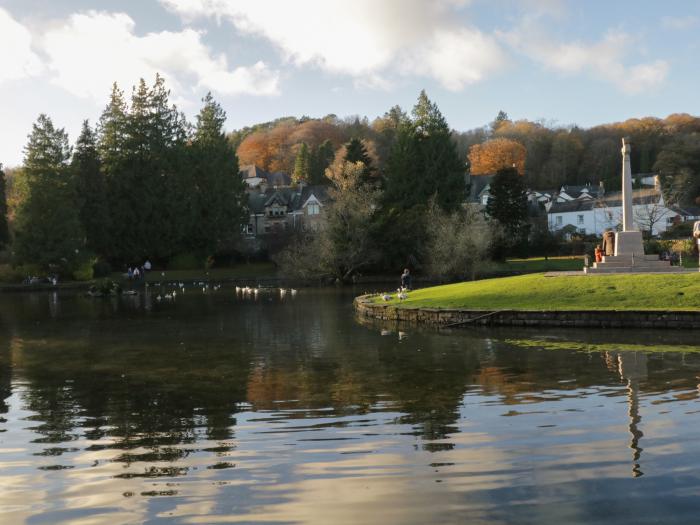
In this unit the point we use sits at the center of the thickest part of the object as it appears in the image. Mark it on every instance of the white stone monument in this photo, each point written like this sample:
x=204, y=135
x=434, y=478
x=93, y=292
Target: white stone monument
x=629, y=241
x=629, y=245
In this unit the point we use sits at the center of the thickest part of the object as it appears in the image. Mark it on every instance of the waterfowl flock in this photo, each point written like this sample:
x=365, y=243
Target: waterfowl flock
x=244, y=292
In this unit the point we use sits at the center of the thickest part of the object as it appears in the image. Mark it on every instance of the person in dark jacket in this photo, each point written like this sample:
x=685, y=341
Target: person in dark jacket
x=406, y=279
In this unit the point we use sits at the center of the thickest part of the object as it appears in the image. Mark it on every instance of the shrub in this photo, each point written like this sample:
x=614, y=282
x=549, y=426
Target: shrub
x=28, y=270
x=683, y=246
x=9, y=274
x=84, y=271
x=101, y=268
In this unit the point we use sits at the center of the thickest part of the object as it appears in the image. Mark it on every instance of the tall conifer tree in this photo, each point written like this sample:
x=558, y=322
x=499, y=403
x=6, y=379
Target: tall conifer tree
x=91, y=191
x=302, y=164
x=221, y=206
x=48, y=230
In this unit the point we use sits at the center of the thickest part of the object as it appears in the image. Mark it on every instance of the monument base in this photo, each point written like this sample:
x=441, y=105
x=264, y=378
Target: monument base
x=629, y=258
x=629, y=243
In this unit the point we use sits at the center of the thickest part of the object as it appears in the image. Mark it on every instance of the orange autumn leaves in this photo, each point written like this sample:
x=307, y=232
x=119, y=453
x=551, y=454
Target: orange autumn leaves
x=489, y=157
x=275, y=149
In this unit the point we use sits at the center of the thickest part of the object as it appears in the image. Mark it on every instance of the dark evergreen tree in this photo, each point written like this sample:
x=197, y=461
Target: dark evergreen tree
x=319, y=160
x=442, y=173
x=302, y=164
x=507, y=205
x=48, y=230
x=221, y=206
x=355, y=151
x=147, y=175
x=91, y=191
x=4, y=229
x=499, y=121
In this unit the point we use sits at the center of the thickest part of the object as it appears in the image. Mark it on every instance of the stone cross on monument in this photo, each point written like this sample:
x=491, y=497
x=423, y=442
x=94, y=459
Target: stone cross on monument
x=628, y=241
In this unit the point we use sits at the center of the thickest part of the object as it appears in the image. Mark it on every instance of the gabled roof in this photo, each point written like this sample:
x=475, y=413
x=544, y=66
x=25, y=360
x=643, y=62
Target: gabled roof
x=251, y=171
x=477, y=184
x=577, y=191
x=278, y=178
x=572, y=206
x=292, y=197
x=609, y=200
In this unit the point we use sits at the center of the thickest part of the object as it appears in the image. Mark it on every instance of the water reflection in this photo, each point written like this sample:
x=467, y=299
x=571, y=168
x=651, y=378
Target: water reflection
x=215, y=408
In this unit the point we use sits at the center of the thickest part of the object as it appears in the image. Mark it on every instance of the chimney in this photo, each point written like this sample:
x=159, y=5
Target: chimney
x=601, y=189
x=657, y=183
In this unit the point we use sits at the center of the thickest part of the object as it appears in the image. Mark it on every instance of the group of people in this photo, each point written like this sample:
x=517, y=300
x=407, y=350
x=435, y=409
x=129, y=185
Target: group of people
x=136, y=273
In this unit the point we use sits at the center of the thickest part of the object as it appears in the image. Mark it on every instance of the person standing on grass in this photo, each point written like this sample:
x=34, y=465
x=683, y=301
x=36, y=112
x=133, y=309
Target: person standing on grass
x=406, y=279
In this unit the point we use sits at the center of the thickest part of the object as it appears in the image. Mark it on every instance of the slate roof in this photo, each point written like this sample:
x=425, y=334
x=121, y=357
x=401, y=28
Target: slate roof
x=251, y=171
x=609, y=200
x=576, y=191
x=571, y=206
x=293, y=198
x=477, y=183
x=278, y=178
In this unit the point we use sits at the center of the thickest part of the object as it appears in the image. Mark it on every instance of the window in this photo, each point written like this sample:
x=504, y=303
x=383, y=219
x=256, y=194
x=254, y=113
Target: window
x=582, y=231
x=313, y=209
x=558, y=220
x=579, y=219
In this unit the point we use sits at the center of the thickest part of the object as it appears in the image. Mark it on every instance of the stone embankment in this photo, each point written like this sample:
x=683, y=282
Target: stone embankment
x=448, y=318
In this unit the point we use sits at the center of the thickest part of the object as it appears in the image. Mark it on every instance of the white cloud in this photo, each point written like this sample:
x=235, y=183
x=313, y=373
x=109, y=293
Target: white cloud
x=365, y=39
x=680, y=22
x=605, y=59
x=17, y=60
x=91, y=50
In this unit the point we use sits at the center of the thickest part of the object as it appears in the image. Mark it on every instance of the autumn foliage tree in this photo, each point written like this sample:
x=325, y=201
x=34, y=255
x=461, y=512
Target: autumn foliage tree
x=496, y=154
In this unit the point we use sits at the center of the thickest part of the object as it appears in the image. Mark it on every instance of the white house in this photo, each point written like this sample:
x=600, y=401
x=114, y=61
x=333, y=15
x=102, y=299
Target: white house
x=594, y=216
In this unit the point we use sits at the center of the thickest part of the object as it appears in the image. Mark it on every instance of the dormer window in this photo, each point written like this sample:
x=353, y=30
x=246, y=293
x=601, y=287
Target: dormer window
x=313, y=208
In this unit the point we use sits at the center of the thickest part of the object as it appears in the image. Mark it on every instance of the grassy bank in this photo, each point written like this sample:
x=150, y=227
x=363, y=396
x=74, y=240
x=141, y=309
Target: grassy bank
x=537, y=292
x=536, y=264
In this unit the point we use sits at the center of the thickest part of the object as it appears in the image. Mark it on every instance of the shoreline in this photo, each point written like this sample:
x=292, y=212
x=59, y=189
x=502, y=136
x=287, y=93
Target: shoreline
x=585, y=318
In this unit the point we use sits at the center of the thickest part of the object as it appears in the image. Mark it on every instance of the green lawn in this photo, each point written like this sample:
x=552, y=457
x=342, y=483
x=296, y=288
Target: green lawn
x=537, y=292
x=241, y=271
x=538, y=264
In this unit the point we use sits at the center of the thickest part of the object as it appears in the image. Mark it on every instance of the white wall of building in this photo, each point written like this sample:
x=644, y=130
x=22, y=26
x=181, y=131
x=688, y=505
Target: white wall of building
x=597, y=220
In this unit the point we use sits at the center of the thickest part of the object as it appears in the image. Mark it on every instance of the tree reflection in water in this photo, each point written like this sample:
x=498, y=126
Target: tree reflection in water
x=259, y=398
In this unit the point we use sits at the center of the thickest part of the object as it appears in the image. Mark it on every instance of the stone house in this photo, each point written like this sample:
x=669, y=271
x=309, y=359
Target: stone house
x=280, y=210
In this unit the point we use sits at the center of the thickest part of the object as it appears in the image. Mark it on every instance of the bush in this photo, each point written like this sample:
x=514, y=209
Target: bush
x=101, y=269
x=28, y=270
x=677, y=231
x=84, y=271
x=186, y=261
x=683, y=246
x=8, y=274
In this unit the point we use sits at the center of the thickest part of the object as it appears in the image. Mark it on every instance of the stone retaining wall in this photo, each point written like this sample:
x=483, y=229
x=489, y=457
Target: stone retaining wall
x=575, y=318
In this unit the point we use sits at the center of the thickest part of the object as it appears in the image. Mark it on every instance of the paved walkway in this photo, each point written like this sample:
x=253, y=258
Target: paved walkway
x=578, y=273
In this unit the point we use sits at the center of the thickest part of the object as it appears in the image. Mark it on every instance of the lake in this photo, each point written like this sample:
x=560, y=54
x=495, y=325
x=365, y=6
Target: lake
x=218, y=408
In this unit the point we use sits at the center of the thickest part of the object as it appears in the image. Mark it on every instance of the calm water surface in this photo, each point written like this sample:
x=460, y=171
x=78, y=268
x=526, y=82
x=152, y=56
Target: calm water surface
x=217, y=409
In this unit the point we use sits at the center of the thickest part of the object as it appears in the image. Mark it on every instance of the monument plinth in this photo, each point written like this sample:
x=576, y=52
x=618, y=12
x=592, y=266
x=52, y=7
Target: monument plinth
x=629, y=245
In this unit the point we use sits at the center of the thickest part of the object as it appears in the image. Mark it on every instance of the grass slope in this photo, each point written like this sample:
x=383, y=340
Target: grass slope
x=537, y=292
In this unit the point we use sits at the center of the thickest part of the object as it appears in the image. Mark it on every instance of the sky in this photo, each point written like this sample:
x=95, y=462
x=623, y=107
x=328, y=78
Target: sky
x=562, y=61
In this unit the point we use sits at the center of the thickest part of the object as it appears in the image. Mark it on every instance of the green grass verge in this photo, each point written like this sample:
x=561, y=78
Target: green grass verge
x=537, y=292
x=538, y=264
